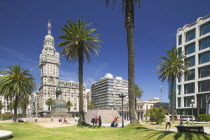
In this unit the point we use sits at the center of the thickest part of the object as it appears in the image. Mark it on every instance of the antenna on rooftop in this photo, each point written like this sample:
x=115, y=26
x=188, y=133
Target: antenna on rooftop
x=49, y=27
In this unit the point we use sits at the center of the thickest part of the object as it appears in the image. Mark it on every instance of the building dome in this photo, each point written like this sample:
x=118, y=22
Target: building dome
x=48, y=37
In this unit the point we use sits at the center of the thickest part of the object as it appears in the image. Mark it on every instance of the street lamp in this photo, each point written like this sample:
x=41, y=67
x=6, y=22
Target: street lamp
x=161, y=95
x=192, y=102
x=122, y=96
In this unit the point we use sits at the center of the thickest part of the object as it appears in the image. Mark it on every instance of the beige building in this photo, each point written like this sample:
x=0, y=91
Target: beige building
x=49, y=64
x=141, y=108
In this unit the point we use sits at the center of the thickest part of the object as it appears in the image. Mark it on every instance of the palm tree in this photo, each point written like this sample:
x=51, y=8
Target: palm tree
x=24, y=102
x=68, y=105
x=170, y=68
x=1, y=106
x=78, y=44
x=91, y=106
x=128, y=7
x=16, y=83
x=138, y=93
x=49, y=103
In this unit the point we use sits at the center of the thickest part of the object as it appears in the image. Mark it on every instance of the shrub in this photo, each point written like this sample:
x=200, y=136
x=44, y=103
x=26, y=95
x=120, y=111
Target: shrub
x=156, y=114
x=204, y=118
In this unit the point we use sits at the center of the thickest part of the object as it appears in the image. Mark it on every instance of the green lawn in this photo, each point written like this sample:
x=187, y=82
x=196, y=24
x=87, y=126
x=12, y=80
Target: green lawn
x=30, y=131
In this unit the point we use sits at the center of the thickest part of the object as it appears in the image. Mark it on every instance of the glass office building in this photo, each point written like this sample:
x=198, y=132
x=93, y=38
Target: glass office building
x=194, y=40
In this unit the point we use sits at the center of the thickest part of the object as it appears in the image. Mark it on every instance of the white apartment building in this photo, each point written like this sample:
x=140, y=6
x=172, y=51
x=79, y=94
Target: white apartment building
x=194, y=40
x=49, y=64
x=105, y=92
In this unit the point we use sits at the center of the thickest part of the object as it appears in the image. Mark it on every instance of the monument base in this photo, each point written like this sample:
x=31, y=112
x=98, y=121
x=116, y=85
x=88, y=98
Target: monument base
x=59, y=108
x=107, y=116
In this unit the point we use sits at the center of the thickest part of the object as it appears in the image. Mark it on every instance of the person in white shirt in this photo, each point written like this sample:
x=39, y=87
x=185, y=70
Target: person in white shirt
x=168, y=123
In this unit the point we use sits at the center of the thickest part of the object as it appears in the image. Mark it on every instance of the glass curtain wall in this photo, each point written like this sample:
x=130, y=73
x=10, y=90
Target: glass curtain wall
x=190, y=48
x=190, y=35
x=189, y=75
x=204, y=57
x=189, y=88
x=204, y=86
x=191, y=61
x=187, y=101
x=204, y=43
x=205, y=28
x=204, y=71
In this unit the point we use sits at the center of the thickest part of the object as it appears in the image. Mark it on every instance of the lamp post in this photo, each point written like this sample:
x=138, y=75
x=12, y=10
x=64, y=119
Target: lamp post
x=192, y=102
x=161, y=95
x=122, y=96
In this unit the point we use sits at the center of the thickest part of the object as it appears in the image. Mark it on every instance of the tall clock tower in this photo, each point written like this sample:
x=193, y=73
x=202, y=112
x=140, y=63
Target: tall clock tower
x=49, y=63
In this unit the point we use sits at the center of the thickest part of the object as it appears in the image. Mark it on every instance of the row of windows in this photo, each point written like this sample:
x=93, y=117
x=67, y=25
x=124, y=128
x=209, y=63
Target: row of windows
x=190, y=35
x=203, y=86
x=187, y=101
x=203, y=58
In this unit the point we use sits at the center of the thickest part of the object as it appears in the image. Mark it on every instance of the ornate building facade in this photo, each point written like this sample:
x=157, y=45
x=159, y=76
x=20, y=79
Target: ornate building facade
x=49, y=64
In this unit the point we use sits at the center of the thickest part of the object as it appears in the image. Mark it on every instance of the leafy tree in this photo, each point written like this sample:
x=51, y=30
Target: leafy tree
x=138, y=93
x=170, y=68
x=49, y=103
x=128, y=7
x=79, y=42
x=24, y=102
x=16, y=83
x=68, y=105
x=1, y=106
x=91, y=106
x=156, y=114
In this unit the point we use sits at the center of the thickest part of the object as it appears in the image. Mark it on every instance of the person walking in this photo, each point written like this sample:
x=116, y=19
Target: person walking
x=96, y=120
x=99, y=121
x=168, y=123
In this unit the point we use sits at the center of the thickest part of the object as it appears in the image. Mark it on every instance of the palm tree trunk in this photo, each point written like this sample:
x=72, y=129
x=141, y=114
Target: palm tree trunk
x=24, y=111
x=15, y=109
x=172, y=98
x=80, y=74
x=129, y=25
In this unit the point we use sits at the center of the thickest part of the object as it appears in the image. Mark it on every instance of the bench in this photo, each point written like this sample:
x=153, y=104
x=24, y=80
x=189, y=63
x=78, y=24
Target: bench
x=191, y=129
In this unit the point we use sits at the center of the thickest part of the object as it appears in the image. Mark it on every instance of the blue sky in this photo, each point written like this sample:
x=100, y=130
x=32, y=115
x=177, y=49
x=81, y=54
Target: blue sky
x=23, y=25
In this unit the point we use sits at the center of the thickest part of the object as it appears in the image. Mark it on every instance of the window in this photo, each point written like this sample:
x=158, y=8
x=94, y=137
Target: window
x=179, y=78
x=179, y=89
x=190, y=75
x=205, y=28
x=187, y=101
x=190, y=35
x=190, y=48
x=179, y=101
x=204, y=57
x=180, y=39
x=204, y=86
x=191, y=61
x=204, y=43
x=189, y=88
x=204, y=71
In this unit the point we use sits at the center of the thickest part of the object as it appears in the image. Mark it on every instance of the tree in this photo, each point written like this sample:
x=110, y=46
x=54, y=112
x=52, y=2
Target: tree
x=156, y=114
x=170, y=68
x=1, y=106
x=11, y=105
x=128, y=7
x=49, y=103
x=91, y=106
x=24, y=102
x=68, y=105
x=138, y=93
x=79, y=42
x=16, y=83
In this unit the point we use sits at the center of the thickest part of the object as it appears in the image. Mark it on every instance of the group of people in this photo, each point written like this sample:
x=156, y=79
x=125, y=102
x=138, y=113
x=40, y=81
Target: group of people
x=115, y=122
x=96, y=121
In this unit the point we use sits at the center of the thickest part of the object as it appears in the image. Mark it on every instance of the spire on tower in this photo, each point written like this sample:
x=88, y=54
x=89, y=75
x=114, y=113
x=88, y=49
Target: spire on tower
x=49, y=27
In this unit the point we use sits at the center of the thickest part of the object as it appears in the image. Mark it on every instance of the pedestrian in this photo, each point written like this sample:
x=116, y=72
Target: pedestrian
x=181, y=123
x=76, y=119
x=52, y=120
x=168, y=123
x=188, y=120
x=115, y=121
x=64, y=120
x=96, y=120
x=36, y=119
x=93, y=121
x=60, y=119
x=99, y=121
